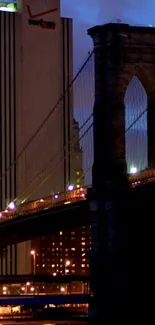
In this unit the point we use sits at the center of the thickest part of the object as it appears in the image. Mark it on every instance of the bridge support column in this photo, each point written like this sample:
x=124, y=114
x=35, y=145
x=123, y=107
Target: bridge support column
x=109, y=250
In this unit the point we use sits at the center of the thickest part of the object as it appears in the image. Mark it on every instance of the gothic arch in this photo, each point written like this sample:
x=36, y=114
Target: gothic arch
x=136, y=102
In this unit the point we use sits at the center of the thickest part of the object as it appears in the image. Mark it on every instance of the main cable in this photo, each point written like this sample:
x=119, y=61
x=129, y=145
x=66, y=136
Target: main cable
x=46, y=119
x=52, y=160
x=49, y=175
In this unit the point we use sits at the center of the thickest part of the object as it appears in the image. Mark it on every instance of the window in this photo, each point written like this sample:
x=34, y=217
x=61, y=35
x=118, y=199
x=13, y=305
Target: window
x=83, y=243
x=43, y=265
x=53, y=265
x=60, y=233
x=73, y=249
x=82, y=265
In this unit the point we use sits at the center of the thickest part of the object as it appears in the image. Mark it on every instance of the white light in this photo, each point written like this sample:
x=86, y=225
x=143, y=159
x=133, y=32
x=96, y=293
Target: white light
x=70, y=188
x=7, y=9
x=133, y=170
x=62, y=289
x=78, y=186
x=32, y=252
x=4, y=288
x=68, y=202
x=54, y=274
x=11, y=206
x=56, y=196
x=68, y=262
x=0, y=214
x=6, y=210
x=41, y=200
x=32, y=289
x=28, y=283
x=23, y=289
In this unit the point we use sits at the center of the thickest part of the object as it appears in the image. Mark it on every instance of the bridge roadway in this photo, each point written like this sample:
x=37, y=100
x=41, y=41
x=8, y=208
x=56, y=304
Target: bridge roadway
x=44, y=299
x=42, y=278
x=44, y=222
x=131, y=205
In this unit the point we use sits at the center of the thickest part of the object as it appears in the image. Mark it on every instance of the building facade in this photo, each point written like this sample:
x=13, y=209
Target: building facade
x=36, y=69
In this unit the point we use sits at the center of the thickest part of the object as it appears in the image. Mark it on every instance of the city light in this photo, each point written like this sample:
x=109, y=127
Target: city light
x=12, y=206
x=68, y=263
x=4, y=288
x=56, y=196
x=133, y=170
x=70, y=187
x=0, y=214
x=54, y=274
x=32, y=289
x=28, y=283
x=32, y=252
x=62, y=289
x=23, y=289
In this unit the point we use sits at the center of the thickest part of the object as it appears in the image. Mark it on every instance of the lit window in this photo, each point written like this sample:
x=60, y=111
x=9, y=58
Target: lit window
x=82, y=249
x=77, y=173
x=66, y=249
x=60, y=259
x=72, y=232
x=53, y=265
x=43, y=265
x=73, y=271
x=73, y=249
x=72, y=238
x=60, y=265
x=73, y=265
x=53, y=249
x=83, y=243
x=83, y=238
x=61, y=244
x=57, y=248
x=53, y=244
x=60, y=233
x=83, y=260
x=57, y=264
x=82, y=265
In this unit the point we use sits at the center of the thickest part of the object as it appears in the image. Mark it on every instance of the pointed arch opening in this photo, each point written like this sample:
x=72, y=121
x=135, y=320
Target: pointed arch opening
x=136, y=102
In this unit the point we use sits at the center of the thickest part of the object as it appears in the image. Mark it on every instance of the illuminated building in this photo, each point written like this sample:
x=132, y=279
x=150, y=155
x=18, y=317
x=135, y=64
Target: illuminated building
x=36, y=68
x=66, y=252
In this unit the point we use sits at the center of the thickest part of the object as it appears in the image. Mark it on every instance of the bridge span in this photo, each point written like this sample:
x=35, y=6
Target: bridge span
x=73, y=211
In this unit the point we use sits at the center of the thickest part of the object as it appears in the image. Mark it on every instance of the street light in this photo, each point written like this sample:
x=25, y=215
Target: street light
x=33, y=253
x=67, y=263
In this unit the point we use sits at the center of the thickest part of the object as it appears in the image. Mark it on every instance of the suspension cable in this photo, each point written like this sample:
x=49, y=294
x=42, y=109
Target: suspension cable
x=51, y=161
x=49, y=175
x=46, y=119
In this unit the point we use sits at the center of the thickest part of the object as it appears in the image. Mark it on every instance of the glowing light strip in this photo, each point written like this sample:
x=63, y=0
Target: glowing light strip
x=7, y=9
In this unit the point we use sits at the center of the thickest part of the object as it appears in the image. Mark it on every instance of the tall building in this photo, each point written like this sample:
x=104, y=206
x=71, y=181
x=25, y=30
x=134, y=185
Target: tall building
x=36, y=68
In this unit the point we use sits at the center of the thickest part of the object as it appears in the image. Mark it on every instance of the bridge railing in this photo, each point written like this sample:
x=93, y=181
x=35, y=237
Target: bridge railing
x=51, y=201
